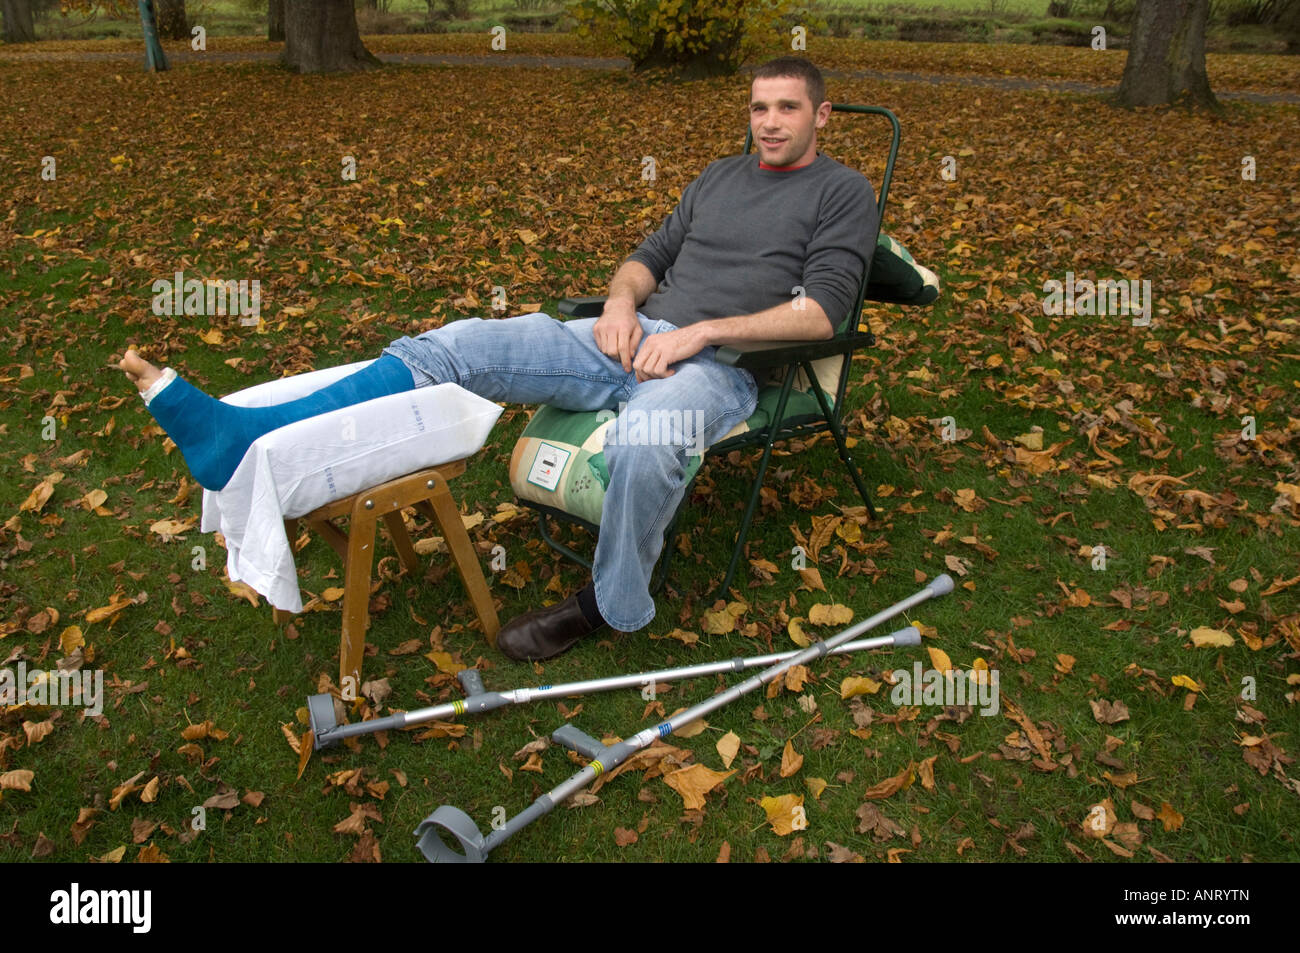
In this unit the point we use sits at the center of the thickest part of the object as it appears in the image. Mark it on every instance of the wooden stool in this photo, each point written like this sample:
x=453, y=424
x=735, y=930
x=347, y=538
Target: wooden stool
x=427, y=491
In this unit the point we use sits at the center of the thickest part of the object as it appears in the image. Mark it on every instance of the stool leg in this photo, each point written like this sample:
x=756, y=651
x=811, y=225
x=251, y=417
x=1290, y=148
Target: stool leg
x=462, y=554
x=402, y=541
x=356, y=595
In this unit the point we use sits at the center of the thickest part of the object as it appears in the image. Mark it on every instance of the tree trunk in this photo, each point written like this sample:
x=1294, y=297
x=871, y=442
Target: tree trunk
x=275, y=21
x=173, y=24
x=155, y=59
x=321, y=36
x=18, y=21
x=1166, y=57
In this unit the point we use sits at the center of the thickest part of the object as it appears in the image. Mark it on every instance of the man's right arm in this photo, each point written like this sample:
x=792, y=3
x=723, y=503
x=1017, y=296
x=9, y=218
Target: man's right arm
x=618, y=331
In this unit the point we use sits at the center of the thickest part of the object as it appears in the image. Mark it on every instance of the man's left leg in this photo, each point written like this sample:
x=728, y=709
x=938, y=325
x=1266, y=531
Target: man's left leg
x=664, y=423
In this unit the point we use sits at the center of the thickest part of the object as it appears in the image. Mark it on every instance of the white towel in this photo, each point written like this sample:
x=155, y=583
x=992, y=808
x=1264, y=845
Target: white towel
x=292, y=471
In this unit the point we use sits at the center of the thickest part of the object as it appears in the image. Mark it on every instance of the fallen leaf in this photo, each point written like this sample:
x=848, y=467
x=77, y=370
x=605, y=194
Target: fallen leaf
x=891, y=786
x=791, y=760
x=1211, y=638
x=1171, y=819
x=694, y=782
x=858, y=685
x=822, y=614
x=1109, y=713
x=18, y=780
x=37, y=730
x=785, y=813
x=728, y=745
x=796, y=632
x=71, y=639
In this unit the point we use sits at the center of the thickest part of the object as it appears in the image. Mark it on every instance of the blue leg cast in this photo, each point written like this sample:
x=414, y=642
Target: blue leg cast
x=214, y=436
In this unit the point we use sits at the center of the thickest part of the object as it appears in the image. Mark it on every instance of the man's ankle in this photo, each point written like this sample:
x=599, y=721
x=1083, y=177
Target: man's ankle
x=587, y=603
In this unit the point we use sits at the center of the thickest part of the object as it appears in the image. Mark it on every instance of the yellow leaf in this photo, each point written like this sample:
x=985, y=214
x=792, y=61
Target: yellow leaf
x=122, y=790
x=118, y=603
x=1031, y=441
x=37, y=730
x=830, y=614
x=939, y=659
x=718, y=622
x=20, y=780
x=691, y=728
x=791, y=761
x=242, y=590
x=445, y=662
x=212, y=336
x=169, y=528
x=812, y=578
x=695, y=781
x=93, y=499
x=1211, y=638
x=526, y=235
x=796, y=632
x=785, y=813
x=37, y=499
x=858, y=685
x=150, y=791
x=815, y=786
x=333, y=593
x=1185, y=681
x=728, y=745
x=114, y=856
x=306, y=744
x=71, y=639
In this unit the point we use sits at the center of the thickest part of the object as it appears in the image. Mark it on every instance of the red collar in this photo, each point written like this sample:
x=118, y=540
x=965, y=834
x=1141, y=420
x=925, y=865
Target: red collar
x=786, y=168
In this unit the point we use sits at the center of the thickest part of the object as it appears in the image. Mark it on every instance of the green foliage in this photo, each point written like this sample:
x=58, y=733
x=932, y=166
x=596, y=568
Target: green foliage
x=693, y=37
x=1251, y=12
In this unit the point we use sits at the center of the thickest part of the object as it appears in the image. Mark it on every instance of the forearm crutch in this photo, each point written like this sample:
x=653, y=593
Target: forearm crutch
x=475, y=847
x=326, y=731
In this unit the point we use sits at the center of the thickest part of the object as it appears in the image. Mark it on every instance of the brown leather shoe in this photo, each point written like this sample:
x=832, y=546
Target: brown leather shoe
x=544, y=633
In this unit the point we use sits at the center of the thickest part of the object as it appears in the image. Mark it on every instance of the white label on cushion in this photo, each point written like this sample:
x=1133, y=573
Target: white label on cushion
x=548, y=465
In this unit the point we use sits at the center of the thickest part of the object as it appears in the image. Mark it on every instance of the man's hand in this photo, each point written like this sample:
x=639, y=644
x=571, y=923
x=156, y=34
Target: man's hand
x=618, y=332
x=663, y=350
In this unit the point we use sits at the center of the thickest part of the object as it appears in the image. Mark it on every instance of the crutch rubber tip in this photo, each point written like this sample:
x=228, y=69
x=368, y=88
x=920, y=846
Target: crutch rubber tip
x=941, y=585
x=460, y=826
x=908, y=636
x=320, y=711
x=471, y=681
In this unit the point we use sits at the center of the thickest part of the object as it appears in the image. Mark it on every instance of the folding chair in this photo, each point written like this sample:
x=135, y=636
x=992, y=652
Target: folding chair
x=558, y=465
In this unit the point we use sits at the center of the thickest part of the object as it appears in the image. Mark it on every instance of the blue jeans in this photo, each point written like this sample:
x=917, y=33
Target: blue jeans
x=535, y=359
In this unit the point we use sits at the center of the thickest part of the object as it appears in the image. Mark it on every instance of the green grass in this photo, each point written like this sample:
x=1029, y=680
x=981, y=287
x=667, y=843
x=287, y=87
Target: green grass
x=250, y=678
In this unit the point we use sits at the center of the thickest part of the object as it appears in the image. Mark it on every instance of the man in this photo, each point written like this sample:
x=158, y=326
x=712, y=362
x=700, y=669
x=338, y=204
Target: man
x=762, y=247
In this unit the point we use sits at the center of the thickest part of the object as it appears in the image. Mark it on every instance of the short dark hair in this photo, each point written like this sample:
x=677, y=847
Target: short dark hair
x=794, y=67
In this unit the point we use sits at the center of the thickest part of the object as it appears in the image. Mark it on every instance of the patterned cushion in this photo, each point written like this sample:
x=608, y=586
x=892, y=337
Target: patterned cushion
x=897, y=278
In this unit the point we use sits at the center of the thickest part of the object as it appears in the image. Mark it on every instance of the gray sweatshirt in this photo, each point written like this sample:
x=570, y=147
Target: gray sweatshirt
x=742, y=238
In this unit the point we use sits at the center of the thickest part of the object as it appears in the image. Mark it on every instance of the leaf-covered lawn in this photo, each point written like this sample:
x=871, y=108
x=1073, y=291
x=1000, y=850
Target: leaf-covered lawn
x=1147, y=696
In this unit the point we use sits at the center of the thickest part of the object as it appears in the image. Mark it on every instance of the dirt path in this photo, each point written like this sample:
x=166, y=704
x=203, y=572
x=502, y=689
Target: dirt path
x=618, y=63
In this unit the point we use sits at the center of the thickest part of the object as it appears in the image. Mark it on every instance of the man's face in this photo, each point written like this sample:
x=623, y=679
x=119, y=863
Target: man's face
x=784, y=121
